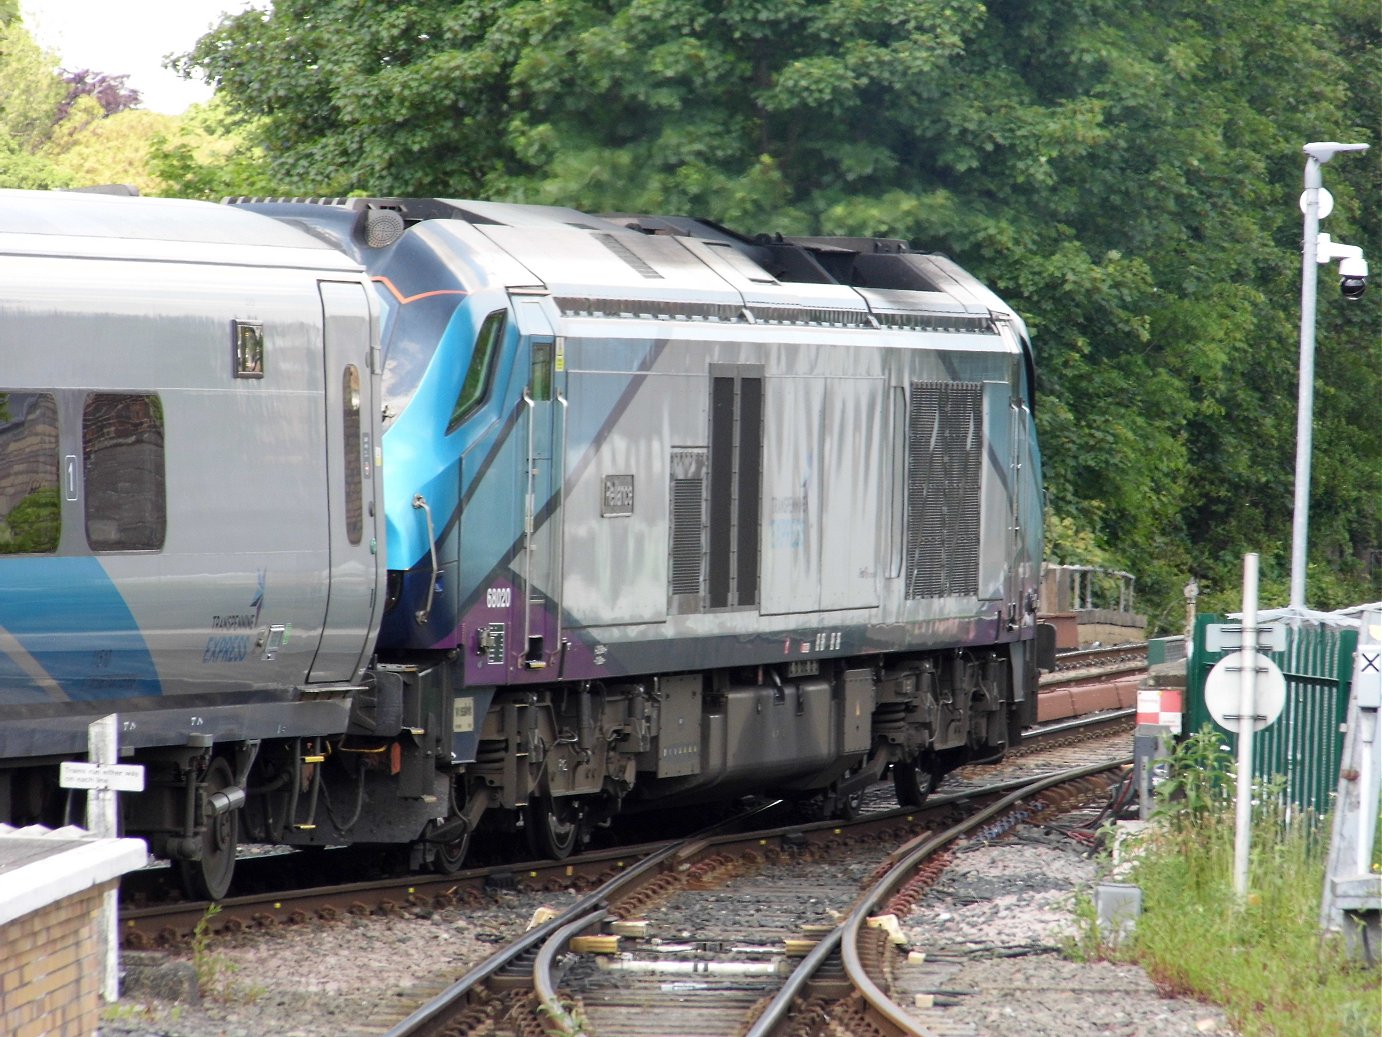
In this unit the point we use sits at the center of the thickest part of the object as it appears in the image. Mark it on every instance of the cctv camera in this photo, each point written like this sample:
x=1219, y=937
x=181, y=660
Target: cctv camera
x=1353, y=268
x=1353, y=277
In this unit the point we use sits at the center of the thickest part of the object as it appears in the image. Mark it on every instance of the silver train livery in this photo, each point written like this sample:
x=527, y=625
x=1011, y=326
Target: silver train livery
x=419, y=521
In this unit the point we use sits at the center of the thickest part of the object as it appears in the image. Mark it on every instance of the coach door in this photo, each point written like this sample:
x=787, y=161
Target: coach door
x=1018, y=564
x=352, y=483
x=539, y=562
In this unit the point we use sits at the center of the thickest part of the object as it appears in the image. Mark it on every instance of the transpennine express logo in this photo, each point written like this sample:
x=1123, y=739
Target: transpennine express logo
x=232, y=634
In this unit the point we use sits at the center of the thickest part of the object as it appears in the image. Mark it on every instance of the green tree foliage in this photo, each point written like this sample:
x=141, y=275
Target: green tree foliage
x=20, y=169
x=204, y=154
x=62, y=128
x=30, y=93
x=90, y=147
x=1125, y=174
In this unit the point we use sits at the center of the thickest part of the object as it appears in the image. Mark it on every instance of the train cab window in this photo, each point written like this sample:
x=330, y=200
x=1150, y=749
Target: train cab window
x=480, y=373
x=541, y=387
x=30, y=513
x=122, y=446
x=354, y=481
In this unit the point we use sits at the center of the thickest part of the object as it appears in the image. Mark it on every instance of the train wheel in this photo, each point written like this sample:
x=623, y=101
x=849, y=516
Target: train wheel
x=850, y=806
x=847, y=808
x=553, y=825
x=209, y=878
x=911, y=782
x=450, y=857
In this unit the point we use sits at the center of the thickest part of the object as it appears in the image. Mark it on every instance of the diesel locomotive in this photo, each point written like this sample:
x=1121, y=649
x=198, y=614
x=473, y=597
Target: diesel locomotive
x=421, y=521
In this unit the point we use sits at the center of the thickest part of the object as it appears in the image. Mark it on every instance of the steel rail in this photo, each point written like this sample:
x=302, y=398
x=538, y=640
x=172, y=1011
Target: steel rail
x=881, y=1004
x=1034, y=736
x=543, y=967
x=554, y=935
x=845, y=937
x=592, y=903
x=543, y=984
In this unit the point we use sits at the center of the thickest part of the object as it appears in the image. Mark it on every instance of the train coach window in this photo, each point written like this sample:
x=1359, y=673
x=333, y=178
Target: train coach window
x=478, y=375
x=30, y=515
x=122, y=444
x=354, y=482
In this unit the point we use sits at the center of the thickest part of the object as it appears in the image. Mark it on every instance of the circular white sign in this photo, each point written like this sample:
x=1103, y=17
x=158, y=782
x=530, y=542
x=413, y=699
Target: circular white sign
x=1326, y=202
x=1222, y=689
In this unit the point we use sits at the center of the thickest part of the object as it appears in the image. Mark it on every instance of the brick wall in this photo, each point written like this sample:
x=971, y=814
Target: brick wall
x=50, y=969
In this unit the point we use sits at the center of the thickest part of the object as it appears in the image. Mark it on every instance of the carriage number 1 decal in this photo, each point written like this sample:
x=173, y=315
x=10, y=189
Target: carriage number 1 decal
x=498, y=597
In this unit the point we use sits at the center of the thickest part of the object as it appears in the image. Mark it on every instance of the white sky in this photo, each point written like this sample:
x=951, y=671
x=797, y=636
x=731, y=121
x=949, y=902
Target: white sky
x=130, y=37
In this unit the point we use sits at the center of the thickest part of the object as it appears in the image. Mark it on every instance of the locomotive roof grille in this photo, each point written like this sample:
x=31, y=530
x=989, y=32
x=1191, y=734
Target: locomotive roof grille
x=810, y=315
x=936, y=322
x=629, y=256
x=690, y=310
x=650, y=309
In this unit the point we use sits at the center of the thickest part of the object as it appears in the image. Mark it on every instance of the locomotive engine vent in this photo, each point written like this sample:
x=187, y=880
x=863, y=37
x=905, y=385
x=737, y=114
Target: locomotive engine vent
x=687, y=540
x=945, y=450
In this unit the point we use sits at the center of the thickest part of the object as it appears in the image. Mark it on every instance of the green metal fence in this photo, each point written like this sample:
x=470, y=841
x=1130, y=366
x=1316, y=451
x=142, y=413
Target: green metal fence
x=1305, y=744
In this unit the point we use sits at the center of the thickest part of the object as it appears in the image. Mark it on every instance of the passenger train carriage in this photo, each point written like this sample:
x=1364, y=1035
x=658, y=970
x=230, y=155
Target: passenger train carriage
x=664, y=514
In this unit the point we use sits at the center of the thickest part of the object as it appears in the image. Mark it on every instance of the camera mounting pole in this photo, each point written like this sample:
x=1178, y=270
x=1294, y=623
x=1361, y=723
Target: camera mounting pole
x=1317, y=154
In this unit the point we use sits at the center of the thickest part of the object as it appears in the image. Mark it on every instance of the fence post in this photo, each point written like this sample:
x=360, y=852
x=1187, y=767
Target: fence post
x=1352, y=902
x=103, y=820
x=1247, y=714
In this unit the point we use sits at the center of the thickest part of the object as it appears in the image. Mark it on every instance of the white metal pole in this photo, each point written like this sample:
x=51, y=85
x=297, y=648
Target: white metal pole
x=102, y=748
x=1316, y=154
x=102, y=820
x=1247, y=717
x=1309, y=281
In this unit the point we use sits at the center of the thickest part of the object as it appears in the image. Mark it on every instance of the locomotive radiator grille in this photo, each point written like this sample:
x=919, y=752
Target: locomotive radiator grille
x=944, y=462
x=687, y=541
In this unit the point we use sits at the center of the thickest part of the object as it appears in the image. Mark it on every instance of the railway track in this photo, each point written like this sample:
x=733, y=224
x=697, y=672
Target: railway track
x=494, y=901
x=655, y=952
x=1132, y=655
x=1091, y=680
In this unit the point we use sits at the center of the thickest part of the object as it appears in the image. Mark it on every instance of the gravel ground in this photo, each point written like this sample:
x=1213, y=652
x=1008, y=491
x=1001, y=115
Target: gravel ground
x=992, y=929
x=334, y=979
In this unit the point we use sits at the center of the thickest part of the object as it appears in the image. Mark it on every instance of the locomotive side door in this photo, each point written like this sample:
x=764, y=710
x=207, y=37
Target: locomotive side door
x=352, y=484
x=1018, y=564
x=538, y=602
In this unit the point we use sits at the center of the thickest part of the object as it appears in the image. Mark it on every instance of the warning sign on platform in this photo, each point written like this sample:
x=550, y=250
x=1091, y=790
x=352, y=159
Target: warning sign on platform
x=122, y=777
